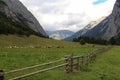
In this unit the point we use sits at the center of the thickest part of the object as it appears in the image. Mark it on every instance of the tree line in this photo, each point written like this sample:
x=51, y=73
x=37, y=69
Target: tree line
x=92, y=40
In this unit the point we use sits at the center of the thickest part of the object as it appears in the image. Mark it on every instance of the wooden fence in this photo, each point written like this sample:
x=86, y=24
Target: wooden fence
x=74, y=63
x=71, y=63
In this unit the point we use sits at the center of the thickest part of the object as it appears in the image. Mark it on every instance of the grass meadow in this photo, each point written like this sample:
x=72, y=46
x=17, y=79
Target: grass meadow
x=105, y=67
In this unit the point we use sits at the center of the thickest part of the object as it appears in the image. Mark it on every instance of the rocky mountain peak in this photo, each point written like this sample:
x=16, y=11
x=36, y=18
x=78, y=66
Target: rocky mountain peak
x=109, y=27
x=18, y=13
x=113, y=25
x=83, y=31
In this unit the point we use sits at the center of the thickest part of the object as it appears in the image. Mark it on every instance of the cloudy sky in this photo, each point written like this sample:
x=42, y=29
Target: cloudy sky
x=68, y=14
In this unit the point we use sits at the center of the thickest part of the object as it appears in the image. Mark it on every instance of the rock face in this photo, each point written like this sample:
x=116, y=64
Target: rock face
x=60, y=34
x=83, y=31
x=109, y=27
x=18, y=13
x=113, y=25
x=98, y=30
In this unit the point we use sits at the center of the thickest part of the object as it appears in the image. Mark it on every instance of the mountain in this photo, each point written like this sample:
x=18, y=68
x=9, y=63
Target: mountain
x=81, y=32
x=59, y=34
x=109, y=27
x=49, y=32
x=16, y=19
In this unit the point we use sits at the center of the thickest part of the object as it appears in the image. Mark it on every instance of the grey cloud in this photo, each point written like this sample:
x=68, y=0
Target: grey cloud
x=71, y=22
x=74, y=19
x=46, y=6
x=51, y=27
x=53, y=7
x=49, y=9
x=56, y=7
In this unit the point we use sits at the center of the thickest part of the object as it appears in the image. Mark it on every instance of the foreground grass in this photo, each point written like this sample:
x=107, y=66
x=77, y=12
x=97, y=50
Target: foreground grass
x=14, y=58
x=105, y=67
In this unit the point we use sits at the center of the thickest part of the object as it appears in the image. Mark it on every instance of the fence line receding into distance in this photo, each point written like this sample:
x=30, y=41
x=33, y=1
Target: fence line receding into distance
x=70, y=62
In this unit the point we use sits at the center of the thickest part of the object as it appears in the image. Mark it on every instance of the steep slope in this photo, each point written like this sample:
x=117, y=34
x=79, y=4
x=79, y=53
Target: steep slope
x=91, y=25
x=14, y=13
x=60, y=34
x=98, y=30
x=109, y=27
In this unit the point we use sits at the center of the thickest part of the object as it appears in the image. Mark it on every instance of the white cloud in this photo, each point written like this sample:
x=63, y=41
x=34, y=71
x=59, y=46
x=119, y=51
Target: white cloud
x=67, y=14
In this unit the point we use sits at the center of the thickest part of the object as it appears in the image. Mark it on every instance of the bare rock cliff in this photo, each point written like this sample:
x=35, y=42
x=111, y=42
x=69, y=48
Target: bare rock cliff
x=109, y=27
x=18, y=13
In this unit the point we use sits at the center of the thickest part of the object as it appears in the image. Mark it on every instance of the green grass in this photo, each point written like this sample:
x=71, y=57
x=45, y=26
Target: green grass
x=23, y=41
x=105, y=67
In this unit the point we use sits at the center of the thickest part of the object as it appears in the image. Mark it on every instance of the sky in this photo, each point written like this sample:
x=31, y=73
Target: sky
x=68, y=14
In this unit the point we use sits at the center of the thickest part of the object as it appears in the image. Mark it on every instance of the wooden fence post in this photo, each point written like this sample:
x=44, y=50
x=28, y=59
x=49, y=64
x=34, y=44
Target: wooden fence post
x=69, y=61
x=94, y=55
x=91, y=55
x=78, y=63
x=87, y=59
x=82, y=59
x=67, y=69
x=1, y=75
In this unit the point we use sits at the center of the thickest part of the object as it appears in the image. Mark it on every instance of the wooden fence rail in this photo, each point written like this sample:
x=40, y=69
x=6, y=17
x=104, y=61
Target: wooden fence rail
x=71, y=64
x=82, y=60
x=31, y=67
x=37, y=72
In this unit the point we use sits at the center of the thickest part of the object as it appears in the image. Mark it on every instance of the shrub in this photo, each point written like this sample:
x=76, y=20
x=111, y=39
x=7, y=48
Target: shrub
x=82, y=42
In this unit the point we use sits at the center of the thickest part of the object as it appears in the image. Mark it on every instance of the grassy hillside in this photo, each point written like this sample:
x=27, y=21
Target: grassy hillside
x=33, y=41
x=23, y=41
x=106, y=66
x=26, y=54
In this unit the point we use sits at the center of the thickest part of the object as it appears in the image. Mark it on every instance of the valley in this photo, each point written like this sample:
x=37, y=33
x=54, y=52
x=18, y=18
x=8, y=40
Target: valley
x=23, y=55
x=104, y=67
x=24, y=42
x=59, y=34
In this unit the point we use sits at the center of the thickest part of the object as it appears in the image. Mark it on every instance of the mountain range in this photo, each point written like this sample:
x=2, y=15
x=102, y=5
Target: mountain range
x=59, y=34
x=106, y=29
x=109, y=27
x=81, y=32
x=15, y=18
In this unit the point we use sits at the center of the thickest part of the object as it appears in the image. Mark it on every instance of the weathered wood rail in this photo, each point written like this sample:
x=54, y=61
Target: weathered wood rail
x=76, y=62
x=70, y=62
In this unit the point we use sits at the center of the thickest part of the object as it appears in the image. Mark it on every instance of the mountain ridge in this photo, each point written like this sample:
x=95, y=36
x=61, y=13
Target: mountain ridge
x=88, y=27
x=109, y=27
x=60, y=34
x=17, y=13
